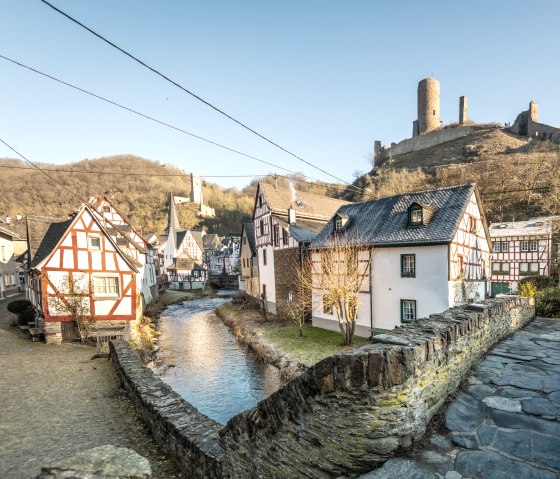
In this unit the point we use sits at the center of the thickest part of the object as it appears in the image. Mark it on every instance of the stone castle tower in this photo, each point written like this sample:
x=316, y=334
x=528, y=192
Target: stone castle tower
x=428, y=107
x=196, y=189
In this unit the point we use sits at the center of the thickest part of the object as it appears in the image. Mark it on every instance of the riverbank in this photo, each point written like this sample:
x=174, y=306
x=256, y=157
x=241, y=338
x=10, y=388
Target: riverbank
x=277, y=341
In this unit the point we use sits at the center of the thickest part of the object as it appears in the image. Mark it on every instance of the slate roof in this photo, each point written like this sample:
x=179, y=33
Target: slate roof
x=211, y=241
x=384, y=221
x=180, y=236
x=198, y=235
x=280, y=199
x=533, y=227
x=250, y=234
x=43, y=234
x=184, y=262
x=172, y=217
x=304, y=231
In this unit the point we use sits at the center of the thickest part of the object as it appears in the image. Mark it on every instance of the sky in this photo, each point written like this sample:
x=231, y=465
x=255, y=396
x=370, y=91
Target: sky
x=323, y=79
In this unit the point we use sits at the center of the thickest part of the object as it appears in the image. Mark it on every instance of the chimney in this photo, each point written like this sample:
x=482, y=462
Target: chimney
x=291, y=216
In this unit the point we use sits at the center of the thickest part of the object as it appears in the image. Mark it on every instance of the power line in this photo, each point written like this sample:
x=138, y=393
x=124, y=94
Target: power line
x=194, y=95
x=41, y=170
x=148, y=117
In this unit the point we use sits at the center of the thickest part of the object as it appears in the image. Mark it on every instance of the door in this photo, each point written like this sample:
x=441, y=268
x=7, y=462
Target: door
x=70, y=331
x=499, y=288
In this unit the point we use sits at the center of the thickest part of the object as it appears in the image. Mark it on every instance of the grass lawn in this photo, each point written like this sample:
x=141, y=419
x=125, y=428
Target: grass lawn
x=316, y=344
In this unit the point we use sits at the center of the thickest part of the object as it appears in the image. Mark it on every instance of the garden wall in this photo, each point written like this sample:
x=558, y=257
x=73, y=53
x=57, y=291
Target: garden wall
x=343, y=416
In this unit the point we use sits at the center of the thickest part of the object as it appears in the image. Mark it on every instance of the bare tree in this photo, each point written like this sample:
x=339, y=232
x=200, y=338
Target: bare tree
x=72, y=297
x=339, y=271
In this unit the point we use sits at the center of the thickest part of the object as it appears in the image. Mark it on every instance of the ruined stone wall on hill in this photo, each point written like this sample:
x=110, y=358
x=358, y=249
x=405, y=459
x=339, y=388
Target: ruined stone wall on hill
x=421, y=142
x=543, y=132
x=352, y=411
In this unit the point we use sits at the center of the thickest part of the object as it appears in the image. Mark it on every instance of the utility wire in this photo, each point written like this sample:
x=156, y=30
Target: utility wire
x=38, y=168
x=194, y=95
x=148, y=117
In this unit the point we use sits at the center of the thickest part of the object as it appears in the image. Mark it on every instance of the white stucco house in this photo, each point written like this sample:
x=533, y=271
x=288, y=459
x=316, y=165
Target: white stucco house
x=421, y=252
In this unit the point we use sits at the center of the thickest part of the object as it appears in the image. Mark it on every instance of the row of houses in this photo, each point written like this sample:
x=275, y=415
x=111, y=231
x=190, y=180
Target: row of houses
x=422, y=252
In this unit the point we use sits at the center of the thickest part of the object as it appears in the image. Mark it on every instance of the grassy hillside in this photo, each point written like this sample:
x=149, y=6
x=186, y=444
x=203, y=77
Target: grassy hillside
x=517, y=178
x=26, y=190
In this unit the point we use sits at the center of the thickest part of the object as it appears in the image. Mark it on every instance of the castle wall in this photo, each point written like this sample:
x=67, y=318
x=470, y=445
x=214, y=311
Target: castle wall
x=542, y=131
x=426, y=140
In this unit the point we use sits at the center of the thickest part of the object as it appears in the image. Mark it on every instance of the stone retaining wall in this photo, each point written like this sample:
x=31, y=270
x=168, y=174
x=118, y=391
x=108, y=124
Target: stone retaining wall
x=352, y=411
x=187, y=435
x=343, y=415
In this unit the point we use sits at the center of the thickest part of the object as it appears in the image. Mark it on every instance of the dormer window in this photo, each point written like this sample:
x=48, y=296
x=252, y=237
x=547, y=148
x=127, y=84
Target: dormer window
x=338, y=224
x=341, y=222
x=415, y=216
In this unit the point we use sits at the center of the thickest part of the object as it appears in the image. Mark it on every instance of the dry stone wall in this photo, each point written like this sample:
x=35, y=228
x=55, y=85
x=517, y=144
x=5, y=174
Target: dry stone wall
x=343, y=415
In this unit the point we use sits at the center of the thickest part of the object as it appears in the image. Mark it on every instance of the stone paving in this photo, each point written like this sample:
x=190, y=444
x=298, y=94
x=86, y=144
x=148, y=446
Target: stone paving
x=57, y=401
x=505, y=425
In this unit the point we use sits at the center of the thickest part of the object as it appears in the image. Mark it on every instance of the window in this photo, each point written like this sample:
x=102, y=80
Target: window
x=327, y=305
x=408, y=310
x=285, y=237
x=260, y=201
x=496, y=247
x=500, y=268
x=505, y=247
x=106, y=286
x=94, y=243
x=261, y=227
x=534, y=267
x=14, y=280
x=338, y=224
x=415, y=216
x=472, y=224
x=107, y=209
x=3, y=253
x=529, y=268
x=524, y=246
x=264, y=257
x=533, y=245
x=408, y=265
x=276, y=235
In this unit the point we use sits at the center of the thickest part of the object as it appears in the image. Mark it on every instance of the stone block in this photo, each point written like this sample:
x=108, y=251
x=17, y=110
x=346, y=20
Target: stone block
x=376, y=367
x=395, y=369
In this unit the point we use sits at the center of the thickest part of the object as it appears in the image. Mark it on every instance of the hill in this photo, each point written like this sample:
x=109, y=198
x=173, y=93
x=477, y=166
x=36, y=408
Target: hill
x=518, y=177
x=138, y=186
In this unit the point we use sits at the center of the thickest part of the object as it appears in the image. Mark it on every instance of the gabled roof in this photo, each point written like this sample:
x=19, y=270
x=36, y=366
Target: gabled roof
x=9, y=232
x=533, y=227
x=384, y=222
x=308, y=205
x=172, y=217
x=211, y=241
x=180, y=236
x=43, y=234
x=186, y=263
x=303, y=231
x=125, y=218
x=198, y=235
x=249, y=230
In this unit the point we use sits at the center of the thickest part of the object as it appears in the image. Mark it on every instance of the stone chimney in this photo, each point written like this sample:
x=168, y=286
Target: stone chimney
x=292, y=216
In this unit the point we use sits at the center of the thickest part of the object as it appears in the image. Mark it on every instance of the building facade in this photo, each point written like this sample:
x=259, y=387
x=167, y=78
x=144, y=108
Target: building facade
x=249, y=276
x=9, y=276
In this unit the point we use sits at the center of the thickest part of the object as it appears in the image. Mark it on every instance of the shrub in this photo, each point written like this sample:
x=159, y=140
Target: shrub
x=540, y=282
x=527, y=289
x=548, y=303
x=18, y=306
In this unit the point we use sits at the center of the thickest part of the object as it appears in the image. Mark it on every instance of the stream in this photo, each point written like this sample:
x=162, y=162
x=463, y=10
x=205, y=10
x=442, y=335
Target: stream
x=203, y=361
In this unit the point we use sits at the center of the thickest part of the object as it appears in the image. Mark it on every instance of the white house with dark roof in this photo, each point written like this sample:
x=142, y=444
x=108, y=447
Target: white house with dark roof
x=249, y=276
x=9, y=276
x=284, y=222
x=424, y=252
x=521, y=249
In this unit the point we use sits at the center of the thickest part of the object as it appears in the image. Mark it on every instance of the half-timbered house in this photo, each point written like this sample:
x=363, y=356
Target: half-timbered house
x=422, y=252
x=77, y=257
x=185, y=273
x=285, y=221
x=249, y=277
x=520, y=249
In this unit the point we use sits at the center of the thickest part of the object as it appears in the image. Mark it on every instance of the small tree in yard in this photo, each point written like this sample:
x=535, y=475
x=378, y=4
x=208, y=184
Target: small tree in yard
x=340, y=275
x=299, y=299
x=72, y=299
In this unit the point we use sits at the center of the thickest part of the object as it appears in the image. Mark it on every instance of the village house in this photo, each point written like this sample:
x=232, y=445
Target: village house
x=422, y=253
x=520, y=249
x=249, y=276
x=9, y=277
x=185, y=273
x=78, y=258
x=284, y=223
x=225, y=258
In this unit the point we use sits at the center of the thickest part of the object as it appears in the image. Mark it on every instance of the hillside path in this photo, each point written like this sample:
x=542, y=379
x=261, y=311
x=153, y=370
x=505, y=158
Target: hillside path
x=57, y=401
x=505, y=425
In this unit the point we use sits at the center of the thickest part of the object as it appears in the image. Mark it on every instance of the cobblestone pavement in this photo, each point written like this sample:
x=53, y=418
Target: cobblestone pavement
x=56, y=401
x=506, y=424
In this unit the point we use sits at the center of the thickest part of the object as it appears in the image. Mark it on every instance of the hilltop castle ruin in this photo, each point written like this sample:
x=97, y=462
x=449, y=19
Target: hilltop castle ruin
x=428, y=131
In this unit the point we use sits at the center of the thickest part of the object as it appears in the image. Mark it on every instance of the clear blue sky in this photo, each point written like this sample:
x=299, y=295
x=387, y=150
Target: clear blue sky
x=322, y=78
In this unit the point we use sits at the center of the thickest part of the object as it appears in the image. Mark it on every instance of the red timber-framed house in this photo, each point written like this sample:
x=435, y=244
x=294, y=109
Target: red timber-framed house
x=521, y=249
x=78, y=257
x=427, y=251
x=284, y=222
x=130, y=240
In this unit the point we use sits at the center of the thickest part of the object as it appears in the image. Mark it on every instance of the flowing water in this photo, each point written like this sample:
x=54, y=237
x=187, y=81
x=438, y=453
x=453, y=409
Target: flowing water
x=204, y=362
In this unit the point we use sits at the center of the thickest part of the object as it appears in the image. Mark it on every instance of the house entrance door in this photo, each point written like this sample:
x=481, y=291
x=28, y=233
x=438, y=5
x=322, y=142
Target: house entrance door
x=70, y=331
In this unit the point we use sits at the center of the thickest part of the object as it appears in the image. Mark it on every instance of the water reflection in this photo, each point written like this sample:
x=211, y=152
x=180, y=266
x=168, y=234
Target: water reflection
x=203, y=361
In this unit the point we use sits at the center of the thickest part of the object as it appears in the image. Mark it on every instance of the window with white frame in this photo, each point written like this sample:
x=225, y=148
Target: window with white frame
x=502, y=268
x=496, y=247
x=94, y=242
x=408, y=265
x=528, y=268
x=505, y=246
x=408, y=310
x=106, y=286
x=524, y=246
x=533, y=245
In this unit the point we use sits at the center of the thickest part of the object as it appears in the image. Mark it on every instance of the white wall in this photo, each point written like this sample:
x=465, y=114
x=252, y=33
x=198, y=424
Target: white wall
x=266, y=276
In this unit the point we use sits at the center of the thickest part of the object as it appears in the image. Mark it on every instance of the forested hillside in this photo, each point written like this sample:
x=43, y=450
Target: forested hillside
x=517, y=178
x=135, y=185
